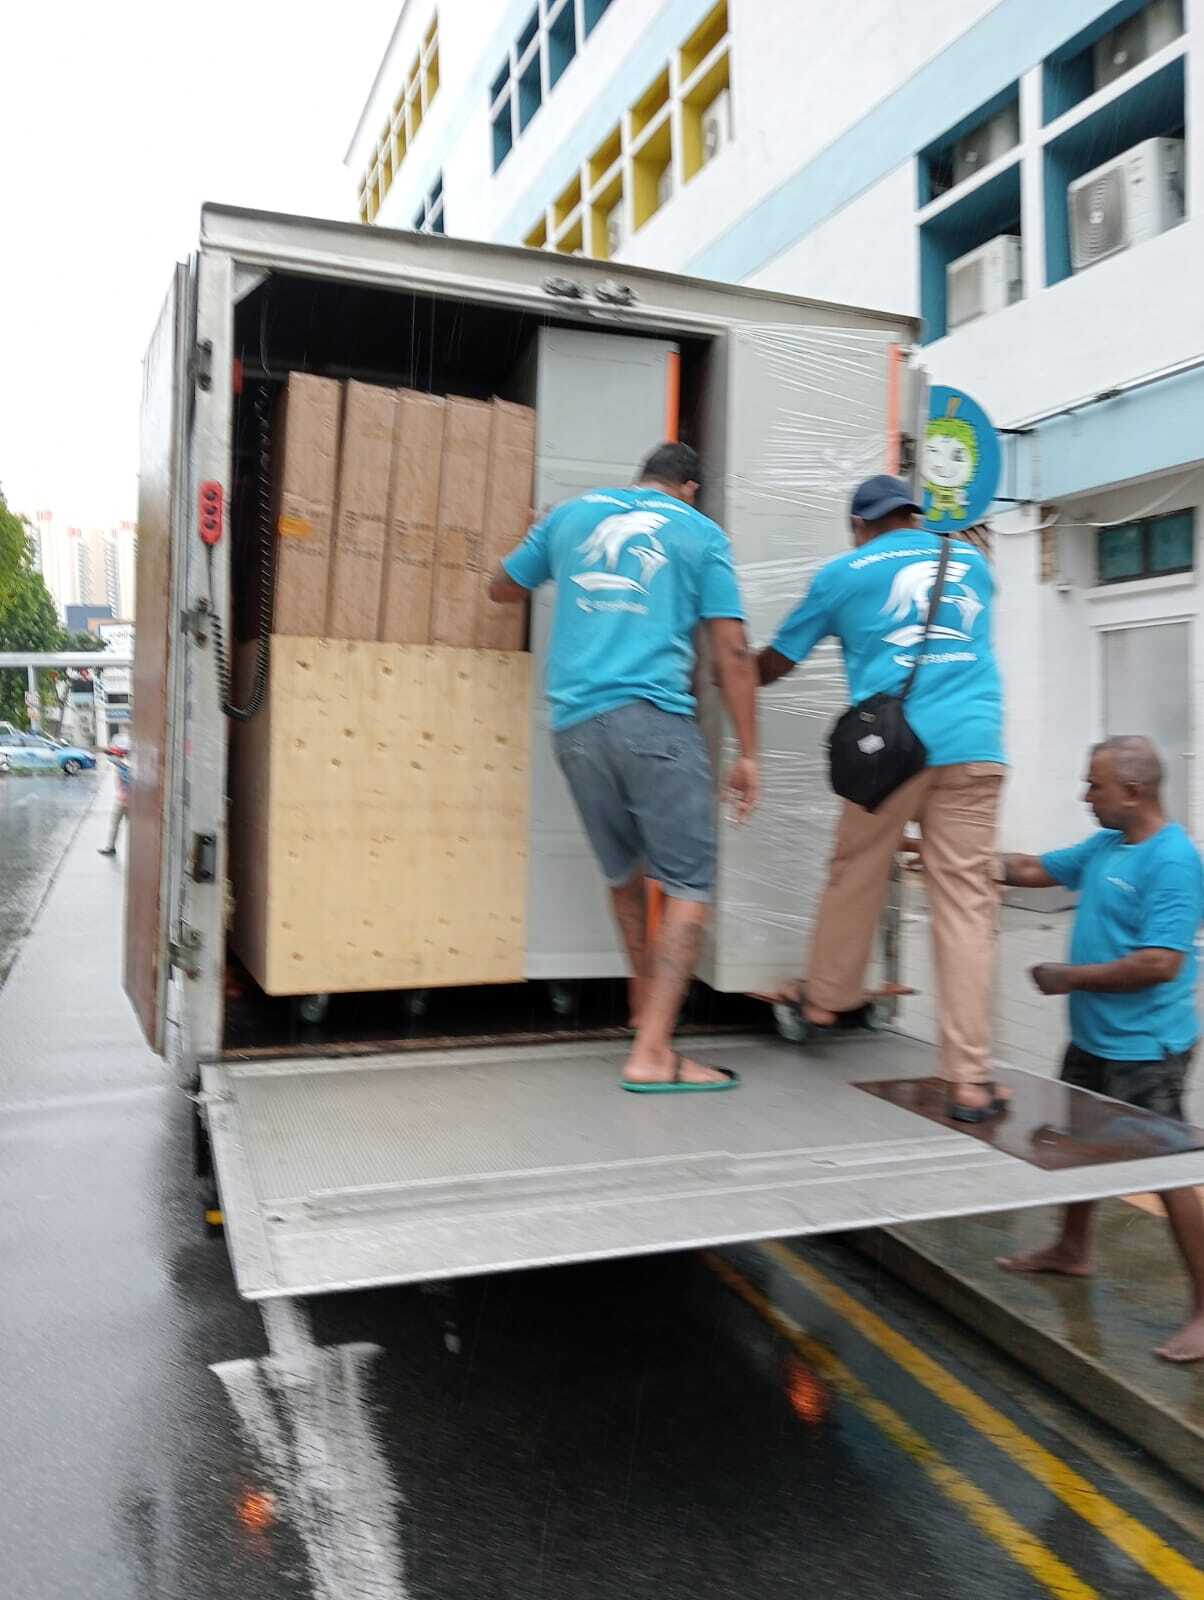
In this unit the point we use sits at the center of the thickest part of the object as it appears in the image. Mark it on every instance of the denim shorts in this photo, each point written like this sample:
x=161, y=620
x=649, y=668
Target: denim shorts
x=641, y=780
x=1152, y=1085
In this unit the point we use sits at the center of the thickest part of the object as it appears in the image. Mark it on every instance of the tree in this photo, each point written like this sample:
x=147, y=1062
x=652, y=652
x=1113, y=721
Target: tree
x=28, y=620
x=14, y=546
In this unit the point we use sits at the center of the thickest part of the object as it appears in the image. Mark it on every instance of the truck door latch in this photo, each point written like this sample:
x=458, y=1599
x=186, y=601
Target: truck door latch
x=183, y=951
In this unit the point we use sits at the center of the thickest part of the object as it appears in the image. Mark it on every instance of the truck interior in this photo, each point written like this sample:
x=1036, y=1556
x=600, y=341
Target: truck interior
x=442, y=346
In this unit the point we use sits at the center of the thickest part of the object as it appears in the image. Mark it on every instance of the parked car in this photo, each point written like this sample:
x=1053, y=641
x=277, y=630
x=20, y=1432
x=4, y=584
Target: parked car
x=32, y=752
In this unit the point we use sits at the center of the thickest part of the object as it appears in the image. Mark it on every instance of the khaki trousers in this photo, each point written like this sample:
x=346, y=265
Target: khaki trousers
x=956, y=808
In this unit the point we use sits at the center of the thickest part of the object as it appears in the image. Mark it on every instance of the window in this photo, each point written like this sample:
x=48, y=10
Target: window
x=418, y=90
x=680, y=123
x=1153, y=548
x=429, y=218
x=549, y=42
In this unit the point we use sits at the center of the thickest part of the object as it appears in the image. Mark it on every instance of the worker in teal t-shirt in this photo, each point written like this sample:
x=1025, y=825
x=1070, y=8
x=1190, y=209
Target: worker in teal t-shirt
x=875, y=599
x=1131, y=981
x=638, y=574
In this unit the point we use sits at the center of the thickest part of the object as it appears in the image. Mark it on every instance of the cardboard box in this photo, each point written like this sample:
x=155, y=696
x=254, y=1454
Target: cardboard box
x=306, y=467
x=463, y=481
x=509, y=492
x=379, y=819
x=358, y=550
x=405, y=612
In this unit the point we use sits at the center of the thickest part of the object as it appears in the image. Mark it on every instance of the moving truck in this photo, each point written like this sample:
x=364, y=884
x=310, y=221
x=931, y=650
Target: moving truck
x=363, y=925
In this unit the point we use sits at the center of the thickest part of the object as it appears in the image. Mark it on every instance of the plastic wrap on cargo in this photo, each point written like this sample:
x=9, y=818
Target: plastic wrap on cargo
x=810, y=410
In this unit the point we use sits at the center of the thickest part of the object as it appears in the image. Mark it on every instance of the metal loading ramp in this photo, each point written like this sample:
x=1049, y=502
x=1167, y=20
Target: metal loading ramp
x=354, y=1173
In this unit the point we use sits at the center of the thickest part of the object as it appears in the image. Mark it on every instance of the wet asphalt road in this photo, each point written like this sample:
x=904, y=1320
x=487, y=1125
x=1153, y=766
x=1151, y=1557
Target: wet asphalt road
x=674, y=1428
x=38, y=817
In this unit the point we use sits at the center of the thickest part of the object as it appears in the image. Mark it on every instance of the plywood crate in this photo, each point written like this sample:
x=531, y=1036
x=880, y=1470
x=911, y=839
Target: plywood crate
x=307, y=430
x=379, y=818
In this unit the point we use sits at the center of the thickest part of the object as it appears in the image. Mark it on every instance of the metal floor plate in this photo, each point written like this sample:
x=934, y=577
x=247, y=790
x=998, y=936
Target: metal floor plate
x=391, y=1169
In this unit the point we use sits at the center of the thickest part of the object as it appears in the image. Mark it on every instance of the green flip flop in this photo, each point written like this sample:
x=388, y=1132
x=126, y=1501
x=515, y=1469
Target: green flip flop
x=675, y=1084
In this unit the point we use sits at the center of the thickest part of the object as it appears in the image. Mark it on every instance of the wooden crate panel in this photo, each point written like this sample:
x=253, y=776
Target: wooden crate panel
x=395, y=826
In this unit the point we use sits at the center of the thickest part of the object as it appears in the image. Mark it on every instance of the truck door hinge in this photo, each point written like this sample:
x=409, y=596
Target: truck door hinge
x=563, y=288
x=202, y=364
x=203, y=862
x=184, y=949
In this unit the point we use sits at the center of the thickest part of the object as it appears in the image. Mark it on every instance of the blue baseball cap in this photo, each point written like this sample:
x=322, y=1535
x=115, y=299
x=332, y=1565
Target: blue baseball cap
x=878, y=497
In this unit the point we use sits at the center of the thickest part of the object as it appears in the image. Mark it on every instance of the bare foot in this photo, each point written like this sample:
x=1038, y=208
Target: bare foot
x=1187, y=1344
x=1052, y=1259
x=659, y=1069
x=818, y=1017
x=635, y=1001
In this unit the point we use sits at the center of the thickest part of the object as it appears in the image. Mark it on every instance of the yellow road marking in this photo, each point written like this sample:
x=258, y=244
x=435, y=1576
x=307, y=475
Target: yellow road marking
x=986, y=1514
x=1174, y=1571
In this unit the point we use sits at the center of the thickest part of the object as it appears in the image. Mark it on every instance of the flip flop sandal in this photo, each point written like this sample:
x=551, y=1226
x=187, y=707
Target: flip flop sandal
x=997, y=1104
x=676, y=1084
x=795, y=1028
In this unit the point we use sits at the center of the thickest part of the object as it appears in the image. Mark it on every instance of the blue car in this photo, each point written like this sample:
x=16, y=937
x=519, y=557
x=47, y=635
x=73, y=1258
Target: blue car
x=33, y=752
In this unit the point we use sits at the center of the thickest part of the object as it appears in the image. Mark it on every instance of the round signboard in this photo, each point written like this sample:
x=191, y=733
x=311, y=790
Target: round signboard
x=960, y=462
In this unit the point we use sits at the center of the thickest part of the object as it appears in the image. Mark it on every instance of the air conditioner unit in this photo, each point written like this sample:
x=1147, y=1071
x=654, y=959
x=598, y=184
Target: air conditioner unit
x=984, y=280
x=716, y=125
x=994, y=138
x=664, y=187
x=1126, y=201
x=616, y=233
x=1135, y=41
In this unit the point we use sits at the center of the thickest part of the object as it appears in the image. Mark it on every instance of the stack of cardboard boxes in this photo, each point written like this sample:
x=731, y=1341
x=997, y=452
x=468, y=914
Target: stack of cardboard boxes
x=379, y=800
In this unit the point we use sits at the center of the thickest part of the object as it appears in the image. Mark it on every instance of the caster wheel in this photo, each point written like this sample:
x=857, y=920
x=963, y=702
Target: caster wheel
x=312, y=1008
x=562, y=997
x=416, y=1004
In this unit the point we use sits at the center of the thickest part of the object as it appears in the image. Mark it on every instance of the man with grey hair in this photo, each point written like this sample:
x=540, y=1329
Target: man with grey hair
x=1131, y=980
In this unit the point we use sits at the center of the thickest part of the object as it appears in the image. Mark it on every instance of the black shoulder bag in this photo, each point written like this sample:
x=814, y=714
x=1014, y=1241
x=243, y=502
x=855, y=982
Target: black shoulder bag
x=872, y=748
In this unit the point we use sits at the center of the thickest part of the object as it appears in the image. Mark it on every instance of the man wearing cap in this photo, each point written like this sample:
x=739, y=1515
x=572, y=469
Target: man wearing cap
x=875, y=599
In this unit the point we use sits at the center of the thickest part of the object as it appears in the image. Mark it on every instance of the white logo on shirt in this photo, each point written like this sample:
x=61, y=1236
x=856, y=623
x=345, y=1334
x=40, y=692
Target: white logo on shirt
x=610, y=541
x=1119, y=883
x=909, y=597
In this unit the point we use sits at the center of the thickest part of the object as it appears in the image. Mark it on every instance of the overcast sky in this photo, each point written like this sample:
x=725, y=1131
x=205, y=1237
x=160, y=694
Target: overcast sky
x=116, y=122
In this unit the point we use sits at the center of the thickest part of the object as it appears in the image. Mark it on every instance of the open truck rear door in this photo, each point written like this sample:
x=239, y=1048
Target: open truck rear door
x=157, y=724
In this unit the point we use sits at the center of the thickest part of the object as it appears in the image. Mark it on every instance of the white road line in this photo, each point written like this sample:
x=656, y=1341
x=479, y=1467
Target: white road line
x=303, y=1409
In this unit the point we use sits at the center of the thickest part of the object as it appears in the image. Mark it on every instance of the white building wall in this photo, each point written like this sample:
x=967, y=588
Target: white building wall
x=818, y=194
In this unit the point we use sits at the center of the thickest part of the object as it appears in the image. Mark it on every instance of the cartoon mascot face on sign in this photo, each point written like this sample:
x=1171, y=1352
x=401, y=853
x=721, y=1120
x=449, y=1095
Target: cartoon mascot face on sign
x=950, y=457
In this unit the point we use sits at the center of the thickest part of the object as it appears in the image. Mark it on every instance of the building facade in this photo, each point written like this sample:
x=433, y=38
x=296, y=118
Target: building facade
x=1024, y=177
x=93, y=567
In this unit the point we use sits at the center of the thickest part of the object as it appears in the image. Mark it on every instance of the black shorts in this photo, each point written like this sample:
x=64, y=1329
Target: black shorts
x=1152, y=1085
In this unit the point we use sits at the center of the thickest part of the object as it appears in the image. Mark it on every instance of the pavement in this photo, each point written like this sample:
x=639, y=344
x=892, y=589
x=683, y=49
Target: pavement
x=773, y=1422
x=1090, y=1338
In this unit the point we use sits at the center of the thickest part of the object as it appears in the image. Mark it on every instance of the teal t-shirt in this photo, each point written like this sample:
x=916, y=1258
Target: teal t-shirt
x=1147, y=896
x=636, y=572
x=874, y=600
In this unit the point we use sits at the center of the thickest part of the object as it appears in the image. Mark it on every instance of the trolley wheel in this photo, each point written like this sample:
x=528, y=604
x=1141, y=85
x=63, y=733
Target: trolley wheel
x=564, y=997
x=312, y=1009
x=415, y=1003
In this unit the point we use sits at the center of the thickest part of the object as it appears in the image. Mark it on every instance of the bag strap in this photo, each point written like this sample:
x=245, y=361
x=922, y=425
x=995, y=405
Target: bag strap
x=934, y=600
